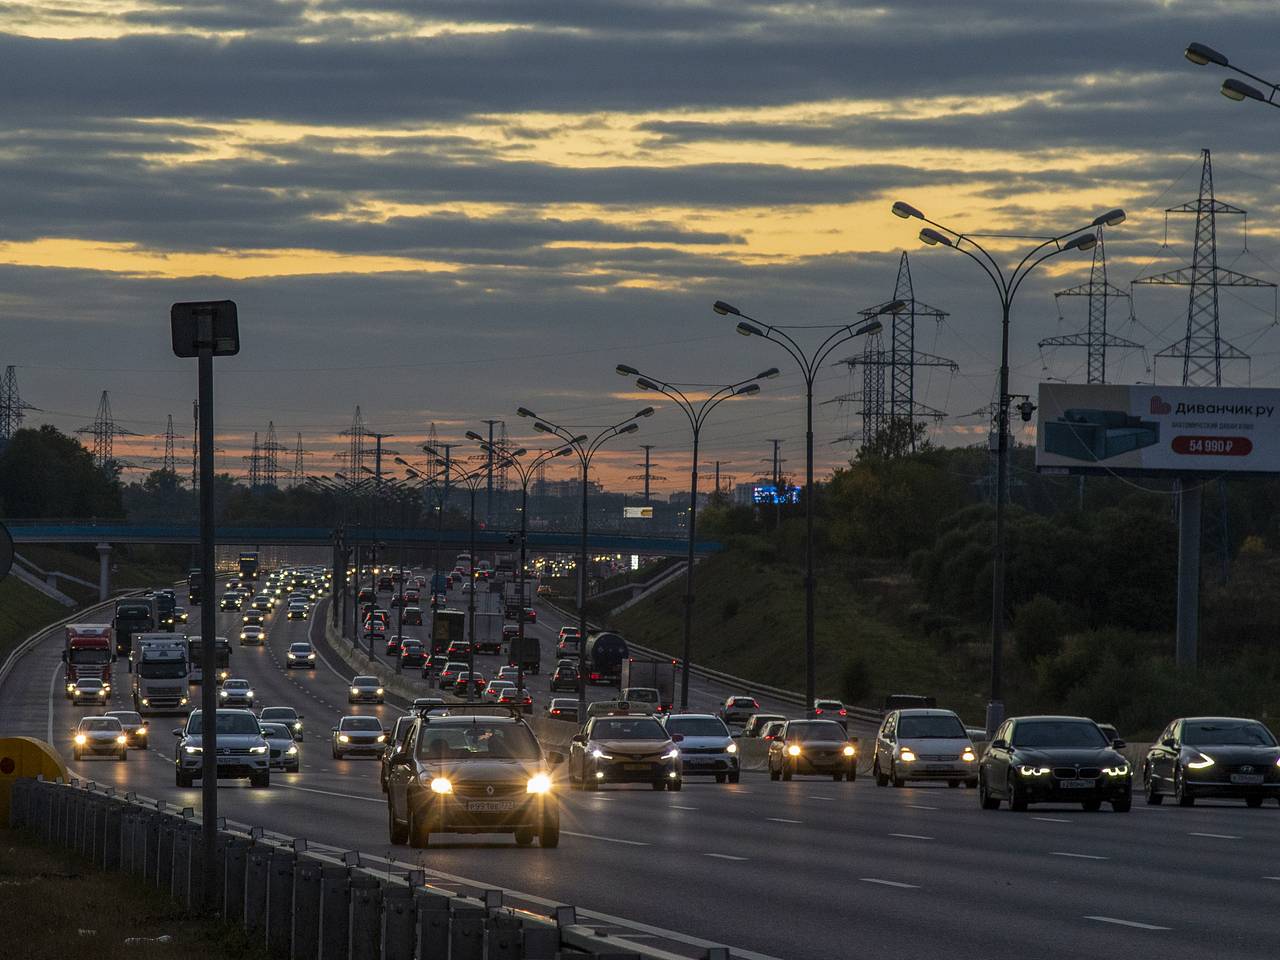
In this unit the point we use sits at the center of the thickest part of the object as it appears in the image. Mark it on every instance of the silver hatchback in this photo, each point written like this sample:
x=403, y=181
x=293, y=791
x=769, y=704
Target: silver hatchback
x=920, y=744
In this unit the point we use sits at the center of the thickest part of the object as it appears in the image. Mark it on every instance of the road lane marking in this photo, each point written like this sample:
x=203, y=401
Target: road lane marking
x=1214, y=836
x=890, y=883
x=920, y=806
x=592, y=836
x=332, y=793
x=910, y=836
x=724, y=856
x=677, y=806
x=53, y=682
x=1051, y=819
x=1271, y=878
x=1126, y=923
x=814, y=796
x=1077, y=856
x=782, y=820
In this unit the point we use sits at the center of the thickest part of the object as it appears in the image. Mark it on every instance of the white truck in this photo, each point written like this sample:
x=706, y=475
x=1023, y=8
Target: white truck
x=488, y=632
x=160, y=668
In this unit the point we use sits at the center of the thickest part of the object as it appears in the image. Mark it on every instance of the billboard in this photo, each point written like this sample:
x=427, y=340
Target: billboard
x=1145, y=428
x=768, y=493
x=637, y=513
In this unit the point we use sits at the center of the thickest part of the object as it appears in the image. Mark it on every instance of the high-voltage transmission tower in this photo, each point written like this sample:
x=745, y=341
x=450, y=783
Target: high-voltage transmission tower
x=888, y=372
x=353, y=457
x=105, y=430
x=254, y=460
x=271, y=449
x=169, y=461
x=648, y=476
x=12, y=409
x=299, y=472
x=1095, y=338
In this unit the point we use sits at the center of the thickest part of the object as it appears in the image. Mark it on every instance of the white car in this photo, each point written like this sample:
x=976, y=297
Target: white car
x=89, y=690
x=367, y=689
x=252, y=636
x=235, y=693
x=358, y=735
x=301, y=655
x=98, y=736
x=496, y=687
x=920, y=744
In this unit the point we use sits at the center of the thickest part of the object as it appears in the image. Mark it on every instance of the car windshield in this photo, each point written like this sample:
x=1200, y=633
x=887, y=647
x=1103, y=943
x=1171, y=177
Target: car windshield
x=697, y=727
x=236, y=685
x=91, y=656
x=240, y=724
x=477, y=741
x=402, y=728
x=941, y=727
x=99, y=723
x=1058, y=733
x=279, y=713
x=628, y=728
x=277, y=731
x=829, y=705
x=365, y=682
x=361, y=723
x=809, y=731
x=125, y=717
x=1224, y=733
x=87, y=684
x=744, y=702
x=642, y=695
x=300, y=647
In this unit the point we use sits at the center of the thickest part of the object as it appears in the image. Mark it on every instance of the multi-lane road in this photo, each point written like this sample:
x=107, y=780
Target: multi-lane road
x=809, y=868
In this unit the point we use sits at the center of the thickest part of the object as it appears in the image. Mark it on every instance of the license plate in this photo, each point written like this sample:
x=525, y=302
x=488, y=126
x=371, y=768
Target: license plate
x=635, y=766
x=490, y=806
x=1247, y=778
x=936, y=766
x=1077, y=784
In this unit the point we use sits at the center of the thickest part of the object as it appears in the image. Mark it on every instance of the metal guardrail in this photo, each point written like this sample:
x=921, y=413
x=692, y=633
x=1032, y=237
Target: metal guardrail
x=308, y=901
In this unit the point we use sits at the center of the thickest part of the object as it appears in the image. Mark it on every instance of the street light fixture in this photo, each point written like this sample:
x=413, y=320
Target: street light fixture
x=810, y=363
x=586, y=449
x=697, y=416
x=1232, y=88
x=1080, y=239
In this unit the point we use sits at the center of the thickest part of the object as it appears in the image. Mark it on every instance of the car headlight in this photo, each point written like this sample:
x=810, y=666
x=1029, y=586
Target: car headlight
x=731, y=748
x=311, y=656
x=102, y=692
x=379, y=691
x=907, y=755
x=292, y=655
x=382, y=737
x=81, y=739
x=249, y=694
x=292, y=751
x=1030, y=771
x=539, y=783
x=146, y=702
x=355, y=691
x=71, y=687
x=223, y=693
x=1119, y=770
x=191, y=750
x=343, y=738
x=968, y=756
x=182, y=702
x=261, y=749
x=793, y=750
x=671, y=754
x=600, y=754
x=441, y=785
x=122, y=739
x=848, y=750
x=297, y=725
x=1203, y=763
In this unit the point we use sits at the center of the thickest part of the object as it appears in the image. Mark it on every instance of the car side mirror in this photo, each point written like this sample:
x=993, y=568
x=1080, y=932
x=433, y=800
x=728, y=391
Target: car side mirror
x=177, y=731
x=64, y=656
x=579, y=738
x=146, y=723
x=1118, y=744
x=677, y=737
x=333, y=729
x=736, y=736
x=400, y=760
x=1169, y=742
x=555, y=758
x=1000, y=744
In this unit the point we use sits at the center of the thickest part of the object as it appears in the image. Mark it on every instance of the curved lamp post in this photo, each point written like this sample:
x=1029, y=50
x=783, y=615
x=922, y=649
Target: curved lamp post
x=697, y=415
x=1081, y=238
x=1232, y=88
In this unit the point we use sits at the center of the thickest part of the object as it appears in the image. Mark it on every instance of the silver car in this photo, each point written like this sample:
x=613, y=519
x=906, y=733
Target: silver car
x=99, y=736
x=365, y=689
x=921, y=744
x=707, y=747
x=242, y=751
x=283, y=753
x=235, y=693
x=355, y=735
x=89, y=690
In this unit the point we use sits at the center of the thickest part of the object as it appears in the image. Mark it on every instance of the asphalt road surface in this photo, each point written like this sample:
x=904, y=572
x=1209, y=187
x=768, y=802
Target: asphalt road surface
x=810, y=868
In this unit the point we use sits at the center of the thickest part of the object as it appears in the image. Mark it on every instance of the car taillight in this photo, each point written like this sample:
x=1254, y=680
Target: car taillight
x=844, y=712
x=817, y=711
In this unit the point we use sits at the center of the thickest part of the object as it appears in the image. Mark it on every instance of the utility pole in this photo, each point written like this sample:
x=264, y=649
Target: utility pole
x=105, y=430
x=12, y=409
x=488, y=496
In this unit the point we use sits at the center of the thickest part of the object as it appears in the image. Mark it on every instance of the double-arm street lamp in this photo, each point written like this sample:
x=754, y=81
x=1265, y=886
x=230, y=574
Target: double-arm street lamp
x=810, y=363
x=440, y=483
x=526, y=473
x=1232, y=88
x=697, y=415
x=586, y=449
x=1081, y=238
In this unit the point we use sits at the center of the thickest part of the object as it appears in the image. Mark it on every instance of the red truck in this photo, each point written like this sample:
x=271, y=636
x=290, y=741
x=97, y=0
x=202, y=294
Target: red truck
x=87, y=652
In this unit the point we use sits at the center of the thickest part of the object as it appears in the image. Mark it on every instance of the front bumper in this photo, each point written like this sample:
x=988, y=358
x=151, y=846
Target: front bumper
x=241, y=702
x=101, y=747
x=302, y=663
x=937, y=770
x=230, y=767
x=822, y=763
x=633, y=771
x=1054, y=790
x=359, y=749
x=367, y=697
x=502, y=813
x=708, y=763
x=1218, y=787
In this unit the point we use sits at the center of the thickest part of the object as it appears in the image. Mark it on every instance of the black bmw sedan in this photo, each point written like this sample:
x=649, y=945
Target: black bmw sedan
x=1054, y=760
x=1213, y=757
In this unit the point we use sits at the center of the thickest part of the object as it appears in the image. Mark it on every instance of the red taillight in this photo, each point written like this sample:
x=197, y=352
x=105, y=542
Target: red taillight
x=595, y=676
x=817, y=711
x=844, y=712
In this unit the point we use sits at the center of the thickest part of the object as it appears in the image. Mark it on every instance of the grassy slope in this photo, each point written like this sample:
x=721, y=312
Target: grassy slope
x=749, y=621
x=23, y=610
x=129, y=573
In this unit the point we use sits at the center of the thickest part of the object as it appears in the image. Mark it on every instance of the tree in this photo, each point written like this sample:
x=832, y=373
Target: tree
x=46, y=474
x=897, y=438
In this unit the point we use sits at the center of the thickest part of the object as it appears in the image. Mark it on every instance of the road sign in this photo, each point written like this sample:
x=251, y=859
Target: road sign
x=1157, y=429
x=6, y=551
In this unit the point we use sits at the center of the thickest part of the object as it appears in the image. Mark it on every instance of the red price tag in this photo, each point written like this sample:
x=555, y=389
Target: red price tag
x=1213, y=446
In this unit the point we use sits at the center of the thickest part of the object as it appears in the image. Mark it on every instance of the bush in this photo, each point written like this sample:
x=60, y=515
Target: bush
x=855, y=680
x=1038, y=628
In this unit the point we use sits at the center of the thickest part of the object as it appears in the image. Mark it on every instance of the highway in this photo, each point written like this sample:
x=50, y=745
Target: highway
x=809, y=868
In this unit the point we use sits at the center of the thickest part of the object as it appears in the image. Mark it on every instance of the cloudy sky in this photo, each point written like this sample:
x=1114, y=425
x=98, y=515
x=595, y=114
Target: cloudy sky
x=442, y=209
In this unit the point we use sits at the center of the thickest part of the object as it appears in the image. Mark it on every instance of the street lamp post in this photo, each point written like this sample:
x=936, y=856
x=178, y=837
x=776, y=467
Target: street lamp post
x=810, y=364
x=586, y=450
x=697, y=416
x=1006, y=288
x=1232, y=88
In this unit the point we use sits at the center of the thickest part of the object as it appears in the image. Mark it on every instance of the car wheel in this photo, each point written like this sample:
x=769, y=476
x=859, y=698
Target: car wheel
x=122, y=755
x=953, y=784
x=1153, y=798
x=260, y=780
x=1091, y=806
x=1017, y=801
x=774, y=774
x=1254, y=801
x=837, y=776
x=985, y=800
x=397, y=833
x=658, y=785
x=896, y=780
x=720, y=778
x=1122, y=806
x=549, y=835
x=1181, y=792
x=524, y=836
x=75, y=755
x=675, y=785
x=971, y=783
x=185, y=780
x=788, y=771
x=336, y=755
x=591, y=782
x=419, y=835
x=881, y=779
x=852, y=775
x=735, y=777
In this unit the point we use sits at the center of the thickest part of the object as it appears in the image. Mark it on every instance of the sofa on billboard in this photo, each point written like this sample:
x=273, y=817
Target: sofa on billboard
x=1083, y=434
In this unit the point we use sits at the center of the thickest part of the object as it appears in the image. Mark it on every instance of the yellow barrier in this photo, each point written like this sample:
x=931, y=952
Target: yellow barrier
x=25, y=757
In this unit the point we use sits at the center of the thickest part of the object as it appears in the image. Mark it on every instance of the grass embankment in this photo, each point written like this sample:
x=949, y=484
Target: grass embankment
x=54, y=906
x=23, y=610
x=139, y=567
x=749, y=621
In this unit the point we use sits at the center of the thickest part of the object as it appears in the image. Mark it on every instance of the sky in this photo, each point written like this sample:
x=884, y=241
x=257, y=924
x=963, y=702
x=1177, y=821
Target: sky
x=441, y=210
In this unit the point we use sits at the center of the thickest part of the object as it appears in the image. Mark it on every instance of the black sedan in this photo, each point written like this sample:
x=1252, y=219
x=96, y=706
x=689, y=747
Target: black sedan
x=1054, y=760
x=1213, y=757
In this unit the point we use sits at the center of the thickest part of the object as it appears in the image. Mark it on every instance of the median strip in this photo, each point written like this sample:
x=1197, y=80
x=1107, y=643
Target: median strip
x=1127, y=923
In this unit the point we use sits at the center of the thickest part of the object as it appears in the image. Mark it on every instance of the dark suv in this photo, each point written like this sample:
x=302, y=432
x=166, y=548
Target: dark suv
x=472, y=772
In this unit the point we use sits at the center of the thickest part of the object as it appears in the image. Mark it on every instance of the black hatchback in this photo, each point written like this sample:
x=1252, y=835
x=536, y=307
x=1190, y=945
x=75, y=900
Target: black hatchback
x=1213, y=757
x=1054, y=760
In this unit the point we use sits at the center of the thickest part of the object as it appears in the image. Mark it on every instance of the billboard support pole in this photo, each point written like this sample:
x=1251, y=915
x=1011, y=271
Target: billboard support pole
x=1189, y=510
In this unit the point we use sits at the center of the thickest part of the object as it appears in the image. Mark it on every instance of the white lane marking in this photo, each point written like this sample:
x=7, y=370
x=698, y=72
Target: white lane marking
x=53, y=682
x=910, y=836
x=1126, y=923
x=890, y=883
x=332, y=793
x=1215, y=836
x=677, y=806
x=1271, y=878
x=1077, y=856
x=782, y=820
x=724, y=856
x=920, y=806
x=592, y=836
x=814, y=796
x=1051, y=819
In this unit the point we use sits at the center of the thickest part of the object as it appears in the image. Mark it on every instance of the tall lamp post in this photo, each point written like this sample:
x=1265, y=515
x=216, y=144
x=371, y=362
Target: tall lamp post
x=810, y=363
x=1081, y=238
x=1232, y=88
x=442, y=493
x=697, y=415
x=526, y=472
x=586, y=450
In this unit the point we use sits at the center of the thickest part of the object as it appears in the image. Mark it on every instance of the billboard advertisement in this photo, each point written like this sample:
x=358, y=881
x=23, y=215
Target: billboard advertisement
x=637, y=513
x=768, y=493
x=1146, y=428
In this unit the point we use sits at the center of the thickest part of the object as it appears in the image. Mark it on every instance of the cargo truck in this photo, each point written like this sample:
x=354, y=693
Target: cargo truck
x=166, y=605
x=160, y=669
x=527, y=655
x=604, y=656
x=446, y=627
x=133, y=616
x=659, y=675
x=488, y=632
x=87, y=652
x=195, y=656
x=248, y=564
x=195, y=585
